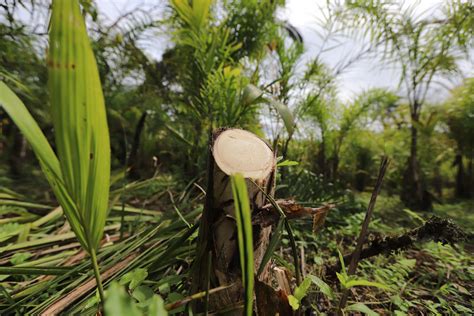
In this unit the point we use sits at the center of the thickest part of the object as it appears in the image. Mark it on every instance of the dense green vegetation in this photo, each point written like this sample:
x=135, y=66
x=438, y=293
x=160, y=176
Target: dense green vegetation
x=118, y=138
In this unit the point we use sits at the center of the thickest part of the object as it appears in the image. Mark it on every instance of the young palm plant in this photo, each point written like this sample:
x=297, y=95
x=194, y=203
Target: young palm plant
x=80, y=173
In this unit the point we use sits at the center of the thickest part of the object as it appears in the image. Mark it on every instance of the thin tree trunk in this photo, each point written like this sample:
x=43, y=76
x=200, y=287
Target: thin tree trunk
x=17, y=152
x=335, y=167
x=133, y=158
x=460, y=190
x=470, y=186
x=413, y=193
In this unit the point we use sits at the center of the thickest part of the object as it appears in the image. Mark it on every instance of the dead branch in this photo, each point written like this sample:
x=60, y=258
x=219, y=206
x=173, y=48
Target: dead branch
x=436, y=229
x=269, y=215
x=356, y=255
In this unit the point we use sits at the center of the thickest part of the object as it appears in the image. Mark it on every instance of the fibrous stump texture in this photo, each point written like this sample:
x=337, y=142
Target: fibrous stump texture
x=231, y=151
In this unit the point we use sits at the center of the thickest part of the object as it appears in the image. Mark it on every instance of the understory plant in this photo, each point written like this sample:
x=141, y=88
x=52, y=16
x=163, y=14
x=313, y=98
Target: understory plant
x=79, y=173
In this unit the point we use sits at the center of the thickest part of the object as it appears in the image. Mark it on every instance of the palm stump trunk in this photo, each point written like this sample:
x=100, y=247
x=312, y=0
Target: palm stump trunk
x=217, y=262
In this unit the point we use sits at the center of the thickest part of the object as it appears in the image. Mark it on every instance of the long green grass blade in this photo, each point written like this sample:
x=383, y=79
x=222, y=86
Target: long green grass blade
x=34, y=270
x=43, y=151
x=79, y=117
x=245, y=237
x=274, y=241
x=30, y=129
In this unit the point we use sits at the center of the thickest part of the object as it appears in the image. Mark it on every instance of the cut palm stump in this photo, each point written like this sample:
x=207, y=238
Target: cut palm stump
x=231, y=151
x=217, y=262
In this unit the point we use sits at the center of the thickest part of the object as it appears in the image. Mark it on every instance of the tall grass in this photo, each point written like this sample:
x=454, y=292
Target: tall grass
x=245, y=238
x=80, y=172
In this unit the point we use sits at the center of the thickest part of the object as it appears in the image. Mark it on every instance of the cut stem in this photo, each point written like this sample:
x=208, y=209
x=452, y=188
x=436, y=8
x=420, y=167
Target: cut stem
x=98, y=279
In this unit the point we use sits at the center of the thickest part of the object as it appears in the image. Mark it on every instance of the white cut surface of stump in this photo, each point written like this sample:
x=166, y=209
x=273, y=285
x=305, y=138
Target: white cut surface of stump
x=239, y=151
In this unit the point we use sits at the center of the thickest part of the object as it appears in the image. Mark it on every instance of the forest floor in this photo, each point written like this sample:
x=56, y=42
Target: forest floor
x=149, y=247
x=428, y=279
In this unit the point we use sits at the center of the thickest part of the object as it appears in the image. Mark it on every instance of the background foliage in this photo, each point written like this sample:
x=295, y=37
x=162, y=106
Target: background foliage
x=236, y=64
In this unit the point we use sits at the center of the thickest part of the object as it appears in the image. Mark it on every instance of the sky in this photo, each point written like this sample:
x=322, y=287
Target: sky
x=304, y=16
x=364, y=74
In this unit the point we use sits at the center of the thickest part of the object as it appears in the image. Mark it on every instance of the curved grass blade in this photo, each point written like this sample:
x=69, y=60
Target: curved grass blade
x=253, y=94
x=274, y=241
x=245, y=238
x=45, y=154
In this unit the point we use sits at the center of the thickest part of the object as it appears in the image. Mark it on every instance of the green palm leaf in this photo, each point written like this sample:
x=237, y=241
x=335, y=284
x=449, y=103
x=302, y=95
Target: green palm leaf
x=80, y=173
x=79, y=117
x=45, y=154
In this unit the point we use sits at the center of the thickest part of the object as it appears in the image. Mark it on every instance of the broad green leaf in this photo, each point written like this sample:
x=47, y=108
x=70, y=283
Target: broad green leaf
x=286, y=163
x=299, y=293
x=245, y=237
x=253, y=94
x=323, y=286
x=48, y=161
x=359, y=307
x=285, y=114
x=342, y=279
x=119, y=303
x=359, y=282
x=142, y=294
x=134, y=278
x=294, y=302
x=79, y=118
x=156, y=306
x=302, y=289
x=30, y=129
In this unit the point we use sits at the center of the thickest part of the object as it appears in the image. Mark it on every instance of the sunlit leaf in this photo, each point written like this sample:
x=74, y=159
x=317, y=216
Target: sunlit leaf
x=253, y=94
x=360, y=282
x=359, y=307
x=287, y=163
x=323, y=286
x=245, y=238
x=79, y=118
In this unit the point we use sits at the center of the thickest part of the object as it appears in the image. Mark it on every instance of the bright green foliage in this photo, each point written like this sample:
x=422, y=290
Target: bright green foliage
x=347, y=281
x=299, y=293
x=226, y=63
x=134, y=278
x=78, y=113
x=323, y=286
x=119, y=303
x=80, y=178
x=360, y=307
x=460, y=116
x=252, y=94
x=48, y=160
x=245, y=238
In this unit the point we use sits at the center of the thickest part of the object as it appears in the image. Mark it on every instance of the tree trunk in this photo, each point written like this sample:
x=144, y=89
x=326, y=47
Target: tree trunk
x=335, y=167
x=470, y=182
x=133, y=158
x=413, y=193
x=461, y=190
x=321, y=162
x=17, y=152
x=217, y=260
